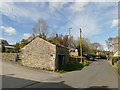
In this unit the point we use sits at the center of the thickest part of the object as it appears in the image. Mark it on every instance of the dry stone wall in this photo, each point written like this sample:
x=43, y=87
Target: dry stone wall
x=9, y=56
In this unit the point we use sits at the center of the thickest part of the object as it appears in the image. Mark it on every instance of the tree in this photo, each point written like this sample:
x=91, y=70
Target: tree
x=85, y=45
x=42, y=36
x=3, y=48
x=23, y=43
x=65, y=41
x=57, y=40
x=109, y=44
x=96, y=47
x=40, y=27
x=61, y=39
x=17, y=47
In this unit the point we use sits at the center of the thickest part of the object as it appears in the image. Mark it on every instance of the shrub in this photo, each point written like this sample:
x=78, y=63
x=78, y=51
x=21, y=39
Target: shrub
x=20, y=55
x=103, y=56
x=114, y=60
x=7, y=51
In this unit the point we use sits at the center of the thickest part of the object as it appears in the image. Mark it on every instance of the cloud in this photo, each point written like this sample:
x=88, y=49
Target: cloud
x=12, y=43
x=10, y=10
x=88, y=24
x=58, y=5
x=76, y=6
x=114, y=23
x=26, y=35
x=9, y=30
x=23, y=11
x=60, y=0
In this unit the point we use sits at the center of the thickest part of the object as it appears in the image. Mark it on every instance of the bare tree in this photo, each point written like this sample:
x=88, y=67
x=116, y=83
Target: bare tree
x=109, y=44
x=40, y=27
x=97, y=46
x=65, y=40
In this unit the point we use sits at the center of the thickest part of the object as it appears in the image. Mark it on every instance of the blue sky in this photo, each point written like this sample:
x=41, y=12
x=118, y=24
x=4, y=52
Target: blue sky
x=98, y=20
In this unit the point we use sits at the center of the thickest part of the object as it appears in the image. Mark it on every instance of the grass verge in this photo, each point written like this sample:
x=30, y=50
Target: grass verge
x=87, y=64
x=20, y=62
x=117, y=69
x=72, y=67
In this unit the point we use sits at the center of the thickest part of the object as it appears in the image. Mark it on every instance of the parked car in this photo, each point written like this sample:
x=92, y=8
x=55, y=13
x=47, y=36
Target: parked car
x=91, y=58
x=98, y=57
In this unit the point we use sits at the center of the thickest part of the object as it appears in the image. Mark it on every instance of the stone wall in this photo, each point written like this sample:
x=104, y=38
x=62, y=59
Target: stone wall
x=9, y=56
x=39, y=54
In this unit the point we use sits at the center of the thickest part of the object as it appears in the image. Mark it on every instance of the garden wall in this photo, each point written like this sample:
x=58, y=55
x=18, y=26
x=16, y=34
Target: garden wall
x=9, y=56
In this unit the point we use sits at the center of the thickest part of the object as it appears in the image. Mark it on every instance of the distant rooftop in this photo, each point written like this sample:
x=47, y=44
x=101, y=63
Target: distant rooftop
x=11, y=47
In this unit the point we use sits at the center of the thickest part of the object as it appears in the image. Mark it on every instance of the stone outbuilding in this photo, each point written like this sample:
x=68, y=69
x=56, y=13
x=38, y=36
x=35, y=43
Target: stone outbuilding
x=40, y=53
x=116, y=46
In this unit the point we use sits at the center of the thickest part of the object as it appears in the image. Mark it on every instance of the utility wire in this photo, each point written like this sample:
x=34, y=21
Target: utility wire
x=66, y=18
x=77, y=27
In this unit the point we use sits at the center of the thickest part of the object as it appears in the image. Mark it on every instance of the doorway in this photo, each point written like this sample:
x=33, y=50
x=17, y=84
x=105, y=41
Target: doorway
x=61, y=61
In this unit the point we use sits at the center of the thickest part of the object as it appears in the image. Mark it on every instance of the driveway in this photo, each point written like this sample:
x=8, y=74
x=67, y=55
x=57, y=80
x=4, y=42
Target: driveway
x=97, y=75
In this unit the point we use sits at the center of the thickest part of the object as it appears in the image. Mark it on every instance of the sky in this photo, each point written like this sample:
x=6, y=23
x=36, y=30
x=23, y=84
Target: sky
x=98, y=20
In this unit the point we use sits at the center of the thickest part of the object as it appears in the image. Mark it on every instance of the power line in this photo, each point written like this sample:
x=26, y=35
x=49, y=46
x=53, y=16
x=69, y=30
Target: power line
x=66, y=18
x=77, y=27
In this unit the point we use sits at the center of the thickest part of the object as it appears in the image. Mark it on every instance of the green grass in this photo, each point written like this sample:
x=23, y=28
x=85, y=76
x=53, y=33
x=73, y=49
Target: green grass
x=48, y=69
x=117, y=69
x=70, y=67
x=20, y=62
x=87, y=64
x=20, y=55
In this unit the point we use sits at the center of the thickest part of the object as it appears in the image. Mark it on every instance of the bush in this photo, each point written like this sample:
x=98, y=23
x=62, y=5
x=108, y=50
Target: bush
x=94, y=55
x=20, y=55
x=114, y=59
x=103, y=56
x=7, y=51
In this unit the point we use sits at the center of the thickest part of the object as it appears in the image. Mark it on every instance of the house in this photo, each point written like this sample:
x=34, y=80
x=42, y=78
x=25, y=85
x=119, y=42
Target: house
x=40, y=53
x=72, y=52
x=116, y=46
x=103, y=52
x=6, y=44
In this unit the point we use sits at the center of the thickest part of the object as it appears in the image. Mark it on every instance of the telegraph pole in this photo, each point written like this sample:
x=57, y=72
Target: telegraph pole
x=81, y=44
x=70, y=38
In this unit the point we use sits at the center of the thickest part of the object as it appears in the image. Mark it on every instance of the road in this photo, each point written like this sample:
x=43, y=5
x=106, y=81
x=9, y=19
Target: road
x=16, y=76
x=99, y=74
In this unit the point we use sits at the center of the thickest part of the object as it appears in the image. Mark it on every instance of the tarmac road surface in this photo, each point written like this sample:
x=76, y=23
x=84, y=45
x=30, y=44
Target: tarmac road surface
x=99, y=74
